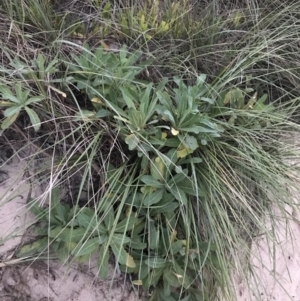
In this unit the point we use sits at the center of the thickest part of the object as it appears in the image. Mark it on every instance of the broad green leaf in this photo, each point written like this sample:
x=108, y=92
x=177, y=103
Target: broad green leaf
x=189, y=142
x=232, y=119
x=102, y=237
x=180, y=176
x=144, y=164
x=137, y=282
x=137, y=119
x=6, y=104
x=198, y=129
x=68, y=234
x=56, y=245
x=207, y=245
x=83, y=259
x=62, y=212
x=120, y=239
x=164, y=98
x=97, y=103
x=172, y=142
x=122, y=55
x=63, y=253
x=50, y=67
x=119, y=252
x=151, y=181
x=153, y=278
x=73, y=211
x=153, y=198
x=235, y=97
x=176, y=246
x=82, y=85
x=184, y=279
x=132, y=141
x=144, y=271
x=182, y=152
x=71, y=246
x=86, y=221
x=130, y=261
x=162, y=297
x=259, y=105
x=36, y=209
x=209, y=100
x=196, y=295
x=7, y=122
x=127, y=97
x=109, y=218
x=40, y=61
x=227, y=97
x=194, y=160
x=156, y=262
x=167, y=288
x=138, y=229
x=170, y=160
x=127, y=224
x=116, y=108
x=129, y=270
x=21, y=95
x=146, y=190
x=136, y=243
x=179, y=195
x=187, y=185
x=12, y=110
x=144, y=147
x=103, y=113
x=88, y=247
x=168, y=116
x=84, y=115
x=7, y=95
x=102, y=262
x=145, y=102
x=157, y=169
x=153, y=236
x=34, y=248
x=34, y=99
x=54, y=197
x=169, y=207
x=189, y=298
x=170, y=277
x=34, y=118
x=200, y=79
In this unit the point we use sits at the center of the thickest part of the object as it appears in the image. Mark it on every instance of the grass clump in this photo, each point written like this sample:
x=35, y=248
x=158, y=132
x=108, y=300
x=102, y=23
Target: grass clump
x=180, y=149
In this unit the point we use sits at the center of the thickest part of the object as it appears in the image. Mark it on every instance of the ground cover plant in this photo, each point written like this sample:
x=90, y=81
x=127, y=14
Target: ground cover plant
x=174, y=115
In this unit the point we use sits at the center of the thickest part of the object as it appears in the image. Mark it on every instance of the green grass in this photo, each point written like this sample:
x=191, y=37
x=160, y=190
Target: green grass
x=179, y=169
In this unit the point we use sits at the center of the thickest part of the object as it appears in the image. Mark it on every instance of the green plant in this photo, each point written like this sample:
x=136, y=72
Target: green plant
x=156, y=19
x=102, y=71
x=16, y=102
x=77, y=232
x=191, y=166
x=35, y=70
x=243, y=107
x=144, y=243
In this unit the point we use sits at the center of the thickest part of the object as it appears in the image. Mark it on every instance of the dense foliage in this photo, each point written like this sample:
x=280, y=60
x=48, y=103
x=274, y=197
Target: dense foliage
x=180, y=121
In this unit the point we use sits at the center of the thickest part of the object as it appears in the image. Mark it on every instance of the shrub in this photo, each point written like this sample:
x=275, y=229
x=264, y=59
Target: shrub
x=187, y=164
